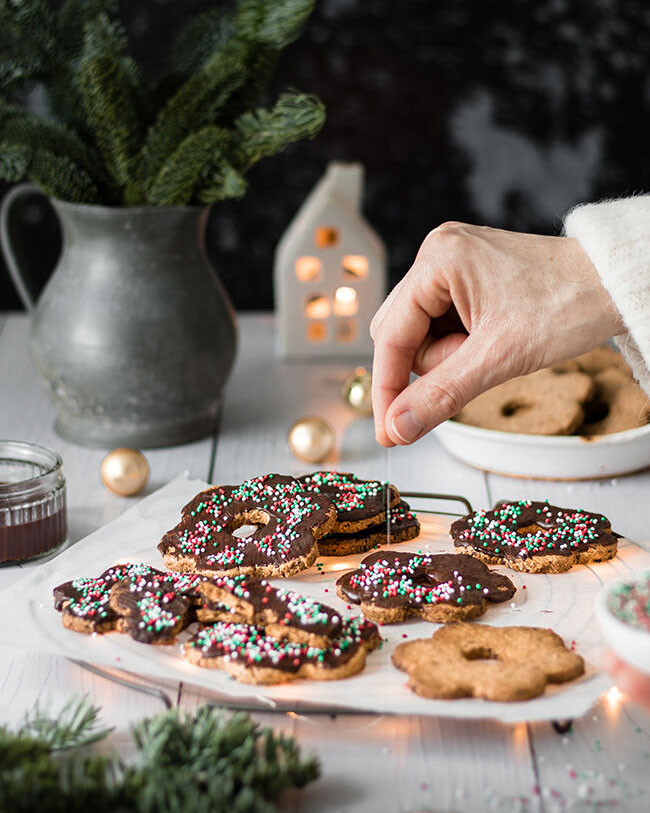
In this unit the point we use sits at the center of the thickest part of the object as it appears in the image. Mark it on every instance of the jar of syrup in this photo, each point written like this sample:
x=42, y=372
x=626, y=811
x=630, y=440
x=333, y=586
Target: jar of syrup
x=33, y=517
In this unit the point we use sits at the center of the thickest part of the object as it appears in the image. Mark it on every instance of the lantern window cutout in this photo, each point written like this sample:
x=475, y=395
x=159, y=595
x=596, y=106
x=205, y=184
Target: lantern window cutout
x=346, y=330
x=317, y=332
x=355, y=266
x=326, y=236
x=329, y=273
x=317, y=307
x=345, y=301
x=308, y=269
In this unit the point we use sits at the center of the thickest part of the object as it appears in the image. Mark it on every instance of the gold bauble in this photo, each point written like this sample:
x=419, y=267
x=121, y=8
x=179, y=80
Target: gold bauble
x=125, y=472
x=311, y=439
x=357, y=391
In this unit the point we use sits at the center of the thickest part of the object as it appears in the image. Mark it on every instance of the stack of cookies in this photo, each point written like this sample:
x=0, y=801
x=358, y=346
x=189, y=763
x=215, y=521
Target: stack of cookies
x=593, y=394
x=254, y=631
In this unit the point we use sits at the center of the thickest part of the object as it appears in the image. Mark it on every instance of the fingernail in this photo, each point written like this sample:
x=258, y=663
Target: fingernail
x=407, y=426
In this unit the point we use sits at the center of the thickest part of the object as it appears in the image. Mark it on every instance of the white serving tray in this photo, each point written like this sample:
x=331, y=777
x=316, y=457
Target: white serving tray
x=564, y=602
x=545, y=457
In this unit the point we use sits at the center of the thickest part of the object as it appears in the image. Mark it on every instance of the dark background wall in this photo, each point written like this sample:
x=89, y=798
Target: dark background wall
x=500, y=112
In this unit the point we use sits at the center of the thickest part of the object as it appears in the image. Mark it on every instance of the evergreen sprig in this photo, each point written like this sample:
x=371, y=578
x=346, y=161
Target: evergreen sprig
x=205, y=761
x=113, y=137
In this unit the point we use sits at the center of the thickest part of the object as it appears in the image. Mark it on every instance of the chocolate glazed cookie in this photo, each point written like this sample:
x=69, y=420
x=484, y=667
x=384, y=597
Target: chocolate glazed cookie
x=283, y=613
x=359, y=503
x=535, y=537
x=392, y=586
x=403, y=526
x=251, y=655
x=288, y=519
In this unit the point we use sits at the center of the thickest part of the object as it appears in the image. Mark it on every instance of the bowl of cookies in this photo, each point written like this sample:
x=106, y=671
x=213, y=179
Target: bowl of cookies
x=585, y=418
x=623, y=612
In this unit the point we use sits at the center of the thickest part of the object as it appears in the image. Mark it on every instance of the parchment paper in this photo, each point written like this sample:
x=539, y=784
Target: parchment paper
x=564, y=602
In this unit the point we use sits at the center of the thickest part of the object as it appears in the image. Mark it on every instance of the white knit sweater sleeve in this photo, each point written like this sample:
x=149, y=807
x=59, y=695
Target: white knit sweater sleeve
x=616, y=236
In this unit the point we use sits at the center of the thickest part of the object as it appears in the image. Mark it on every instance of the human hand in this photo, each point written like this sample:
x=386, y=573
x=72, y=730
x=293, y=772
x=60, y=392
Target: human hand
x=480, y=306
x=629, y=680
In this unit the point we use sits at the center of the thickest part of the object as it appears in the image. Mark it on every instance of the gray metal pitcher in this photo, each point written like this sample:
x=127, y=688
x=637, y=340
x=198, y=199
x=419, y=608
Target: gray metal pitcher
x=134, y=335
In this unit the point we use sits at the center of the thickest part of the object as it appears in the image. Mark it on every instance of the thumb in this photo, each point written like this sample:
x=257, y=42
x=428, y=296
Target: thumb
x=442, y=392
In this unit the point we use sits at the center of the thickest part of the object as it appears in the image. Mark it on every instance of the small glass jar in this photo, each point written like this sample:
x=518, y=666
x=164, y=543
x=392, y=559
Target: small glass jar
x=33, y=516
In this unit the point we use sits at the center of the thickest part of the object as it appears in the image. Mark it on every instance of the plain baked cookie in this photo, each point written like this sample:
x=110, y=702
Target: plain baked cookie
x=288, y=519
x=535, y=537
x=403, y=526
x=392, y=586
x=543, y=403
x=249, y=654
x=504, y=664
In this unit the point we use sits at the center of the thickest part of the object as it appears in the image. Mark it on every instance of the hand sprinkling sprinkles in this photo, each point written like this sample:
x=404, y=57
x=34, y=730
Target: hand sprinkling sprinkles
x=535, y=537
x=289, y=520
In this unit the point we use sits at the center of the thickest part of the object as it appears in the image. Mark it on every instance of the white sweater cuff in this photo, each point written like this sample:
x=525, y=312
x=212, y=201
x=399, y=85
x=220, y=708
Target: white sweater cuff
x=616, y=236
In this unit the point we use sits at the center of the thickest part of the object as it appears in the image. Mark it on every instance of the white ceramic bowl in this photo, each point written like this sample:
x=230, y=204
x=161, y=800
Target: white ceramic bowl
x=546, y=457
x=629, y=643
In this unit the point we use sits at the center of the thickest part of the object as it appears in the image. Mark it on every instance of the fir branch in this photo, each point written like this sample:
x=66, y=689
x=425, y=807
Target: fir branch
x=107, y=91
x=201, y=37
x=27, y=42
x=195, y=104
x=75, y=726
x=220, y=181
x=198, y=762
x=36, y=134
x=14, y=160
x=175, y=183
x=262, y=133
x=275, y=24
x=59, y=177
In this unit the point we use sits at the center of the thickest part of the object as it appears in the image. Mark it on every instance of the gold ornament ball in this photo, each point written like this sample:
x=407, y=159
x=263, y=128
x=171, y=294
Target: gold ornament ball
x=125, y=472
x=357, y=391
x=311, y=439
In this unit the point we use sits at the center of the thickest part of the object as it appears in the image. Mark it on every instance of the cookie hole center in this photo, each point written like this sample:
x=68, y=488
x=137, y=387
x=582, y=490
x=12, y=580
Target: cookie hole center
x=479, y=653
x=513, y=407
x=246, y=524
x=596, y=410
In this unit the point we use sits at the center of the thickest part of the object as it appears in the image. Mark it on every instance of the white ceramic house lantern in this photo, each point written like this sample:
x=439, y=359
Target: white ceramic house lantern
x=330, y=272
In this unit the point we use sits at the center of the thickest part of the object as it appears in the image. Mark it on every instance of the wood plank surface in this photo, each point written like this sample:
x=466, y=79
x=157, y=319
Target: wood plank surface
x=26, y=414
x=374, y=762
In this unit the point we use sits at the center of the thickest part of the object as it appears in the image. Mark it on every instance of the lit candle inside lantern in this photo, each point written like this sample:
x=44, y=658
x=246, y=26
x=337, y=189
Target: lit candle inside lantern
x=355, y=265
x=317, y=307
x=345, y=301
x=308, y=268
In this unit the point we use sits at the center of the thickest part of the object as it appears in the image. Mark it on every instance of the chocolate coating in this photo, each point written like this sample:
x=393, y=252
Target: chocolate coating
x=523, y=529
x=357, y=502
x=251, y=647
x=399, y=579
x=288, y=520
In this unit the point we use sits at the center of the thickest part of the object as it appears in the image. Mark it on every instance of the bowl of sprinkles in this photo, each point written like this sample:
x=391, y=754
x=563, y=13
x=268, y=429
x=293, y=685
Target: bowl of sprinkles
x=623, y=611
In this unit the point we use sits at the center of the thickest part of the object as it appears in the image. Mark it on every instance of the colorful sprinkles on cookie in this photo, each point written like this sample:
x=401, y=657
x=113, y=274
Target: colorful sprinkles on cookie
x=288, y=521
x=87, y=598
x=630, y=602
x=242, y=648
x=518, y=532
x=391, y=586
x=359, y=503
x=258, y=602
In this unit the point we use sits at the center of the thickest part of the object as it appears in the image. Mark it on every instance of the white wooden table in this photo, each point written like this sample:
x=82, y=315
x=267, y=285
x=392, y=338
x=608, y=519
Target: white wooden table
x=369, y=763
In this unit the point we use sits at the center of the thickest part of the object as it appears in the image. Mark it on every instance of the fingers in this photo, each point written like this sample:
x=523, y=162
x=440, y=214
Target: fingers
x=399, y=329
x=434, y=351
x=634, y=684
x=440, y=393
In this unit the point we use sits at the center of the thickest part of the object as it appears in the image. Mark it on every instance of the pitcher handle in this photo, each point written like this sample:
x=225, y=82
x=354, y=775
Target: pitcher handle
x=24, y=284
